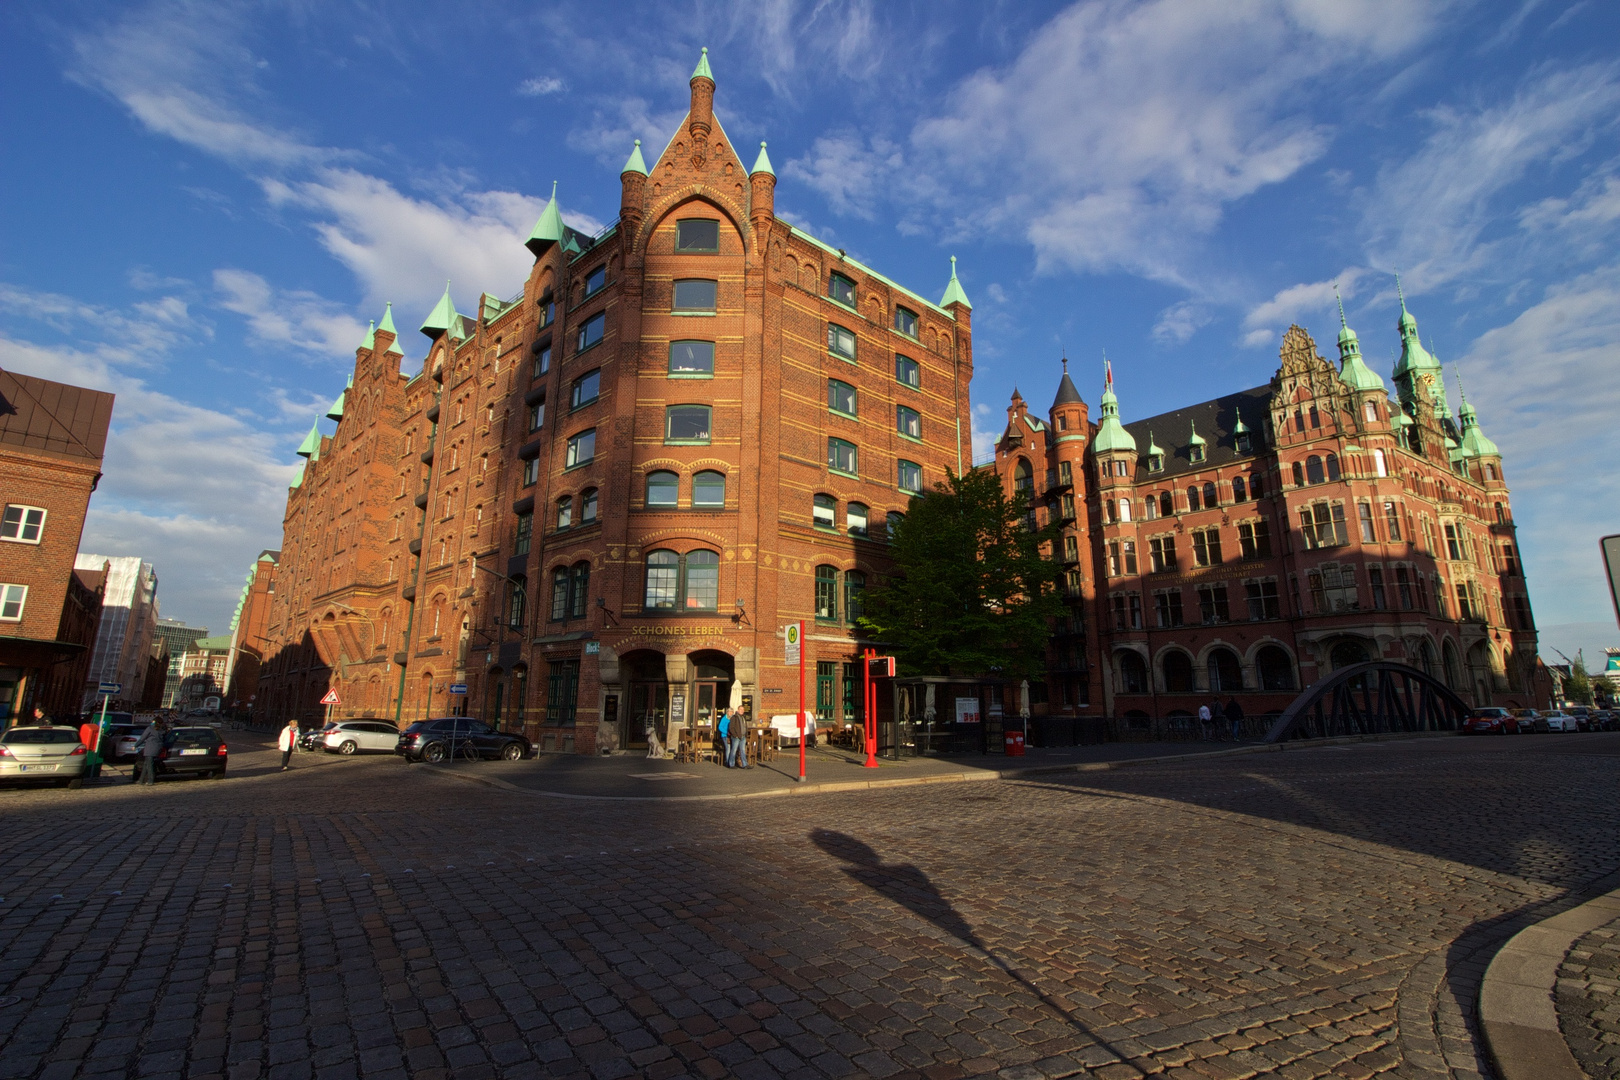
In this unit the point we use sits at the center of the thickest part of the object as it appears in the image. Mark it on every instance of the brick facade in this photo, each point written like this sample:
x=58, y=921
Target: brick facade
x=599, y=501
x=52, y=437
x=1247, y=546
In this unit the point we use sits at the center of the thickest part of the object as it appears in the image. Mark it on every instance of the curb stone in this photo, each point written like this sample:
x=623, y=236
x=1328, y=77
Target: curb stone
x=1517, y=1008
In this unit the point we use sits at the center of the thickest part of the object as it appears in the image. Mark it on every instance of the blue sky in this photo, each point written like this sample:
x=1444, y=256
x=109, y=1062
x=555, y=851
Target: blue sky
x=207, y=201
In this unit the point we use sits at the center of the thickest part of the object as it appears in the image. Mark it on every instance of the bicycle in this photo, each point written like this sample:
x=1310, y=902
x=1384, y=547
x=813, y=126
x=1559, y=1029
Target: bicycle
x=439, y=753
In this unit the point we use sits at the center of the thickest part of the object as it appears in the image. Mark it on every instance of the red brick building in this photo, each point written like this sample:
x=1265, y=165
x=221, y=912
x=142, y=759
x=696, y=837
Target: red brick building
x=250, y=633
x=1246, y=546
x=597, y=502
x=52, y=437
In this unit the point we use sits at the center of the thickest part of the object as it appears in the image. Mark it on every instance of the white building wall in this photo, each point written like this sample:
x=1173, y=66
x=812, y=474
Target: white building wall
x=129, y=616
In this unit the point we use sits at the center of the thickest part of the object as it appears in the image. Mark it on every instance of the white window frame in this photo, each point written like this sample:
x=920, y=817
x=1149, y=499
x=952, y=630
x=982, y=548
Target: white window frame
x=22, y=523
x=13, y=594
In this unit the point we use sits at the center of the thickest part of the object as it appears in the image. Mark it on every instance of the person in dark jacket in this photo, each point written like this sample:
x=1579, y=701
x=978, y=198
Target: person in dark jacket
x=1234, y=716
x=147, y=750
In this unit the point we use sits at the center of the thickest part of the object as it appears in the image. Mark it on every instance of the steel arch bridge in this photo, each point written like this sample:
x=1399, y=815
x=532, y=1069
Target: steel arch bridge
x=1370, y=698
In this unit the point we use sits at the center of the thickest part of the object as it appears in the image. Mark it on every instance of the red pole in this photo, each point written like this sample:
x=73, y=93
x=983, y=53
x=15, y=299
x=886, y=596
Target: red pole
x=871, y=720
x=801, y=702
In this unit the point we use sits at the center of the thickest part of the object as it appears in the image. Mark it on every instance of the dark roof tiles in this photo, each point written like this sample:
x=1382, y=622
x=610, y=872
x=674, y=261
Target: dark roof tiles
x=53, y=417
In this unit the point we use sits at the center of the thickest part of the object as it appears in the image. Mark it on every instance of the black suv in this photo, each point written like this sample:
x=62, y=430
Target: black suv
x=193, y=751
x=437, y=740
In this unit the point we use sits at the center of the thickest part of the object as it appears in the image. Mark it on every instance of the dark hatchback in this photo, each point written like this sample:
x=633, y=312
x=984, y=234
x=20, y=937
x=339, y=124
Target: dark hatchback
x=436, y=740
x=193, y=751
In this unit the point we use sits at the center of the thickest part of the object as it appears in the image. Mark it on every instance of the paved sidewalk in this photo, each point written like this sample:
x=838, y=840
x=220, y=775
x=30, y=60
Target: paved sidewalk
x=1588, y=1001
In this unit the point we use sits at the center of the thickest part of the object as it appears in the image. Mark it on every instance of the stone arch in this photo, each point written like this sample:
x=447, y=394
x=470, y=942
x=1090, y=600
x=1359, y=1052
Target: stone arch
x=670, y=204
x=1450, y=664
x=1350, y=650
x=1223, y=668
x=1175, y=666
x=1132, y=671
x=1274, y=667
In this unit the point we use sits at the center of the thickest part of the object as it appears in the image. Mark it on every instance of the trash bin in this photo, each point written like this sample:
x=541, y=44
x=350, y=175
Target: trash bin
x=1014, y=743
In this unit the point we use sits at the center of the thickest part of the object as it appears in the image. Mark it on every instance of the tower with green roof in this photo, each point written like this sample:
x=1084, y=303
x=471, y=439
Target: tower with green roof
x=1418, y=375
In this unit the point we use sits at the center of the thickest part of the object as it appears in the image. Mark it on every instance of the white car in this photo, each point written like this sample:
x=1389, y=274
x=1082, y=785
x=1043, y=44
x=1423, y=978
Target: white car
x=43, y=752
x=353, y=736
x=1557, y=721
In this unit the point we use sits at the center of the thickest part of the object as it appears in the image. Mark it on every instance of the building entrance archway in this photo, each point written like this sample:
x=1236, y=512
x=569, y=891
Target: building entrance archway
x=649, y=698
x=712, y=676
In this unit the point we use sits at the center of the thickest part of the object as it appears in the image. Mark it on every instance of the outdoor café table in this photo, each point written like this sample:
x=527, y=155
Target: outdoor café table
x=762, y=742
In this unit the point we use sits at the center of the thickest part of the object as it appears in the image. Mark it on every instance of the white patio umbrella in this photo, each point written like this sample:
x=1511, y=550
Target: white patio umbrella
x=736, y=695
x=928, y=704
x=1023, y=698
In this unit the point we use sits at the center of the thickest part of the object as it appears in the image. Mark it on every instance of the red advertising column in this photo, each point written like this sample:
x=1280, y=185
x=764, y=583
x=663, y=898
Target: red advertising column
x=871, y=711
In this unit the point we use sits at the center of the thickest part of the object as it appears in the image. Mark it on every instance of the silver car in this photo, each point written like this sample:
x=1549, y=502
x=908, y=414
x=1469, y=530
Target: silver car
x=353, y=736
x=46, y=753
x=1560, y=721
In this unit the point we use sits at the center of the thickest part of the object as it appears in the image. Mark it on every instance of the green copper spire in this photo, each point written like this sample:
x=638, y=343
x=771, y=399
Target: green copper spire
x=1111, y=434
x=1197, y=439
x=298, y=477
x=442, y=317
x=1474, y=442
x=549, y=229
x=1154, y=450
x=953, y=291
x=702, y=71
x=371, y=337
x=311, y=446
x=1353, y=371
x=634, y=163
x=762, y=164
x=1417, y=373
x=388, y=319
x=336, y=411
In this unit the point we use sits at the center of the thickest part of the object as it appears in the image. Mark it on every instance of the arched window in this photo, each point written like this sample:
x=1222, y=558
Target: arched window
x=1124, y=509
x=823, y=512
x=709, y=489
x=1151, y=507
x=1380, y=466
x=854, y=593
x=1316, y=418
x=579, y=580
x=1194, y=501
x=1240, y=489
x=1333, y=467
x=1275, y=669
x=663, y=581
x=1225, y=672
x=1178, y=672
x=587, y=506
x=1448, y=658
x=1166, y=505
x=855, y=519
x=1313, y=470
x=1023, y=479
x=1299, y=475
x=1501, y=516
x=1132, y=673
x=701, y=581
x=1425, y=657
x=1210, y=498
x=663, y=488
x=1370, y=411
x=893, y=522
x=1348, y=652
x=559, y=594
x=565, y=511
x=1490, y=472
x=827, y=593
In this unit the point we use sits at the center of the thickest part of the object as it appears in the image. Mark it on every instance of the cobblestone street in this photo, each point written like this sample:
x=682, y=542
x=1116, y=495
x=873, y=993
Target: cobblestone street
x=1317, y=912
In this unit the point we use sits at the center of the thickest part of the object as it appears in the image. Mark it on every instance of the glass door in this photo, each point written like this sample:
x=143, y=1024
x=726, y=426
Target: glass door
x=649, y=701
x=708, y=693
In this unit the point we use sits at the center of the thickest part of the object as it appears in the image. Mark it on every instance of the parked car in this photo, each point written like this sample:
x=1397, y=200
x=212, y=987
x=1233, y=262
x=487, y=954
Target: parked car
x=122, y=731
x=353, y=736
x=435, y=740
x=1560, y=721
x=1604, y=720
x=311, y=737
x=1529, y=720
x=1490, y=721
x=46, y=753
x=193, y=751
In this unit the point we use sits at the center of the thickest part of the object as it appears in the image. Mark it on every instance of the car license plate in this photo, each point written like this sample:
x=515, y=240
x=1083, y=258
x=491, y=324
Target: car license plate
x=190, y=753
x=36, y=768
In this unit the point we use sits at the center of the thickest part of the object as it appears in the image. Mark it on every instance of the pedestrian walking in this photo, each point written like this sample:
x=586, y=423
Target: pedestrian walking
x=1205, y=721
x=41, y=718
x=287, y=741
x=723, y=732
x=1234, y=716
x=739, y=736
x=147, y=749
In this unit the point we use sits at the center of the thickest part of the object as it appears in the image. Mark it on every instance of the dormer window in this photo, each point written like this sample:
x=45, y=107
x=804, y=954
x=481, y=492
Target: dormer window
x=1155, y=463
x=841, y=289
x=1241, y=441
x=1195, y=452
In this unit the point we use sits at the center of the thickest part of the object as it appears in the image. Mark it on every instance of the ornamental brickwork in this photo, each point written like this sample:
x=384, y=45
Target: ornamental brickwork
x=1246, y=546
x=596, y=503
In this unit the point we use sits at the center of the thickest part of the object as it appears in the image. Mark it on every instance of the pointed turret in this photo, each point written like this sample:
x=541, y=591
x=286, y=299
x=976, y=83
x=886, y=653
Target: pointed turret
x=702, y=70
x=1353, y=371
x=549, y=229
x=387, y=327
x=700, y=118
x=954, y=293
x=443, y=318
x=634, y=163
x=371, y=337
x=1417, y=373
x=336, y=410
x=311, y=446
x=1474, y=443
x=762, y=164
x=1067, y=394
x=1111, y=434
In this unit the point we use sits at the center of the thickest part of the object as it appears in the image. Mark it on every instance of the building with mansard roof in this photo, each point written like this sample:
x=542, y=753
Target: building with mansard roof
x=1245, y=546
x=592, y=507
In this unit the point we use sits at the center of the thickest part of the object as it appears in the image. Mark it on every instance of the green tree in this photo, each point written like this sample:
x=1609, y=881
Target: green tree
x=970, y=594
x=1579, y=689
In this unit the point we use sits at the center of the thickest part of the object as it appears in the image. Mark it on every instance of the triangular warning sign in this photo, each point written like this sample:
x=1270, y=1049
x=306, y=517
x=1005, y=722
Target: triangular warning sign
x=331, y=697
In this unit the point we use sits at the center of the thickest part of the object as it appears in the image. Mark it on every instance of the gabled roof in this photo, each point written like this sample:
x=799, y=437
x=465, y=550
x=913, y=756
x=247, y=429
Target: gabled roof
x=53, y=417
x=1217, y=419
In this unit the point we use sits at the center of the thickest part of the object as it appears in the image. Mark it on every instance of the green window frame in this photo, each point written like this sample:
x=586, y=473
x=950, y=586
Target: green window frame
x=581, y=449
x=663, y=488
x=841, y=398
x=696, y=295
x=905, y=321
x=523, y=535
x=591, y=331
x=843, y=457
x=841, y=289
x=854, y=595
x=826, y=594
x=697, y=235
x=709, y=489
x=908, y=475
x=841, y=341
x=907, y=372
x=596, y=281
x=585, y=390
x=824, y=512
x=688, y=425
x=691, y=359
x=908, y=422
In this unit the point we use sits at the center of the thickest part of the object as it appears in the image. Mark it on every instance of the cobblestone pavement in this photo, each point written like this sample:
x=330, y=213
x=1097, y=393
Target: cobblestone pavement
x=1318, y=912
x=1589, y=1001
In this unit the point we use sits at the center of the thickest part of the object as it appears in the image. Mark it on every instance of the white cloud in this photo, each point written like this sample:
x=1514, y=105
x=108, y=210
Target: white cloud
x=850, y=172
x=541, y=86
x=1254, y=339
x=1298, y=303
x=1545, y=388
x=987, y=428
x=610, y=134
x=284, y=317
x=1179, y=322
x=142, y=337
x=1429, y=213
x=1584, y=222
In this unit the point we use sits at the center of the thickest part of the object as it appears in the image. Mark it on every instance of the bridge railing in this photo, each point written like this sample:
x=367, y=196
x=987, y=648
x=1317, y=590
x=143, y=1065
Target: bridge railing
x=1371, y=698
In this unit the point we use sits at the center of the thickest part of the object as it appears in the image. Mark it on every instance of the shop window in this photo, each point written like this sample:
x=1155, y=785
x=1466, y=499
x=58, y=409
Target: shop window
x=691, y=359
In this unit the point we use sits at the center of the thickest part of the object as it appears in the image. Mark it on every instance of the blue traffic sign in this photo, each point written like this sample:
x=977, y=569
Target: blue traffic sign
x=458, y=688
x=110, y=688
